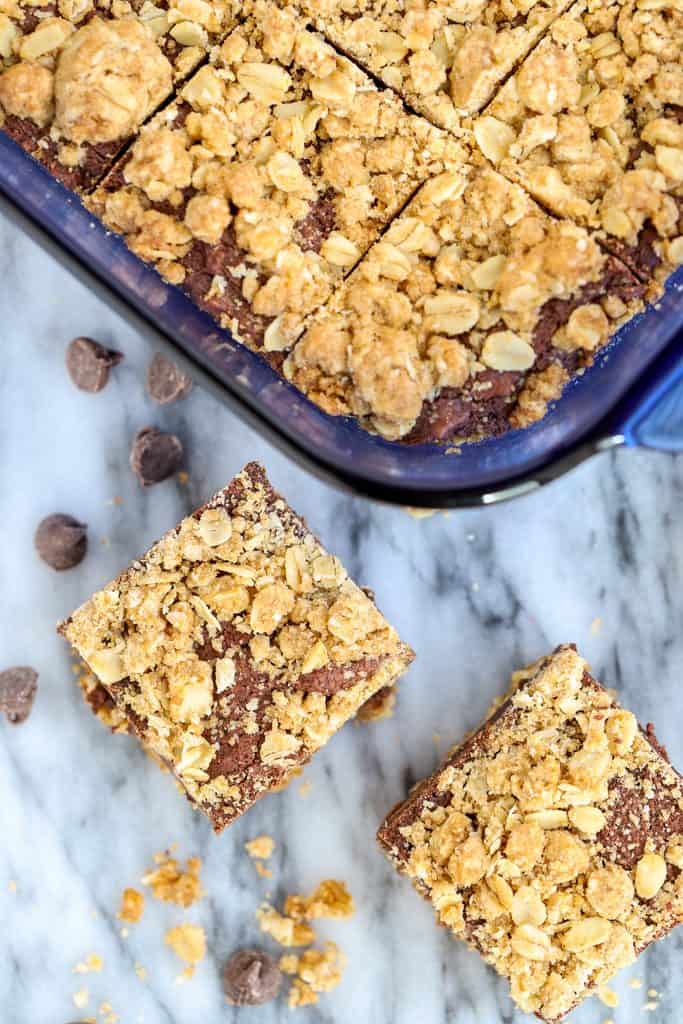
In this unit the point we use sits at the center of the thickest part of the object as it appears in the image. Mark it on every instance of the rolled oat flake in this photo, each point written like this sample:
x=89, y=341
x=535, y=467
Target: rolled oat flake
x=251, y=977
x=89, y=363
x=18, y=687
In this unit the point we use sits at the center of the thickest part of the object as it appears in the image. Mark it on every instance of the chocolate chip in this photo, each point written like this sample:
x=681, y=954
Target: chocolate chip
x=251, y=977
x=155, y=455
x=61, y=541
x=166, y=382
x=89, y=364
x=17, y=691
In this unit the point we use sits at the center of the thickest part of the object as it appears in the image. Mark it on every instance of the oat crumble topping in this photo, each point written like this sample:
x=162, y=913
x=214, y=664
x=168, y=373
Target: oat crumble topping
x=78, y=77
x=550, y=840
x=592, y=125
x=237, y=646
x=473, y=293
x=446, y=60
x=269, y=177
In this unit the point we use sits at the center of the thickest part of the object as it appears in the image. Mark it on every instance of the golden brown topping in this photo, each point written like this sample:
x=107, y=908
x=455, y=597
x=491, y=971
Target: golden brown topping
x=27, y=90
x=517, y=862
x=109, y=76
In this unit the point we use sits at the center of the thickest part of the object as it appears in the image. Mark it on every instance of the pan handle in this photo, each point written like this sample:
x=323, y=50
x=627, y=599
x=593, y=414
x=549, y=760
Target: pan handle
x=653, y=416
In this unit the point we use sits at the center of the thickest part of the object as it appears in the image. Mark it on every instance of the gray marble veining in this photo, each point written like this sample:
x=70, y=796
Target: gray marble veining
x=596, y=558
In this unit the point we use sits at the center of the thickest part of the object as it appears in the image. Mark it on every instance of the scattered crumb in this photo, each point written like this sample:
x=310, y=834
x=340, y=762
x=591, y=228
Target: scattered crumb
x=653, y=993
x=92, y=962
x=610, y=1020
x=649, y=1007
x=436, y=738
x=141, y=972
x=596, y=626
x=81, y=998
x=330, y=899
x=262, y=871
x=420, y=513
x=261, y=847
x=609, y=997
x=188, y=942
x=636, y=983
x=132, y=906
x=183, y=477
x=284, y=929
x=107, y=1012
x=316, y=970
x=305, y=789
x=124, y=933
x=12, y=886
x=380, y=705
x=173, y=885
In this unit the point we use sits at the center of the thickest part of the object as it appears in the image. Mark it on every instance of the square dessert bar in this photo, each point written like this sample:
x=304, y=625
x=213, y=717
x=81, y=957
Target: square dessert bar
x=592, y=125
x=551, y=840
x=445, y=59
x=467, y=318
x=269, y=177
x=78, y=77
x=236, y=647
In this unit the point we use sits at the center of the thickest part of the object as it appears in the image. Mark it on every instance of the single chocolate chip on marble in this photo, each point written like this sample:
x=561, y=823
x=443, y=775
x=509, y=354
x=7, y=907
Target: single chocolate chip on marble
x=89, y=363
x=61, y=541
x=166, y=382
x=155, y=455
x=251, y=977
x=18, y=687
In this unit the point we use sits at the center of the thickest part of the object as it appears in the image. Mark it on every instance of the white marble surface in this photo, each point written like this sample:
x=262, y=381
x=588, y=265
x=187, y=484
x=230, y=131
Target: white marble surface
x=476, y=593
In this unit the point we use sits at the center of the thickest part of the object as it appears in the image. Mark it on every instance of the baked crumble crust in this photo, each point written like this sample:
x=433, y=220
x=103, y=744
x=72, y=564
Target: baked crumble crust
x=592, y=125
x=78, y=77
x=466, y=318
x=269, y=177
x=445, y=60
x=236, y=646
x=551, y=840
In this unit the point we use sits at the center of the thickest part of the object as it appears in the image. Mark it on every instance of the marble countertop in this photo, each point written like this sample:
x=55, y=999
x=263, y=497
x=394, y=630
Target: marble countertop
x=596, y=558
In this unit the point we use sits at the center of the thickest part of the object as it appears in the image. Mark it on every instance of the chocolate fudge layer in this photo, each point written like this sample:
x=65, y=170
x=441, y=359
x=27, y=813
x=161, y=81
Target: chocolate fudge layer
x=78, y=78
x=592, y=125
x=270, y=176
x=467, y=318
x=236, y=646
x=551, y=841
x=446, y=60
x=101, y=703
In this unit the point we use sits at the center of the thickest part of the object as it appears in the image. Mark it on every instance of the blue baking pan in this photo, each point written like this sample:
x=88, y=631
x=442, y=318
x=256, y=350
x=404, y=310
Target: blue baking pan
x=632, y=395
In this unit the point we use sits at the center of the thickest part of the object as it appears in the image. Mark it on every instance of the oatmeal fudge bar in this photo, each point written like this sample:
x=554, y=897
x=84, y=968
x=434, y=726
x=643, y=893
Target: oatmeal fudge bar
x=445, y=59
x=467, y=318
x=592, y=125
x=270, y=176
x=236, y=646
x=78, y=77
x=551, y=840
